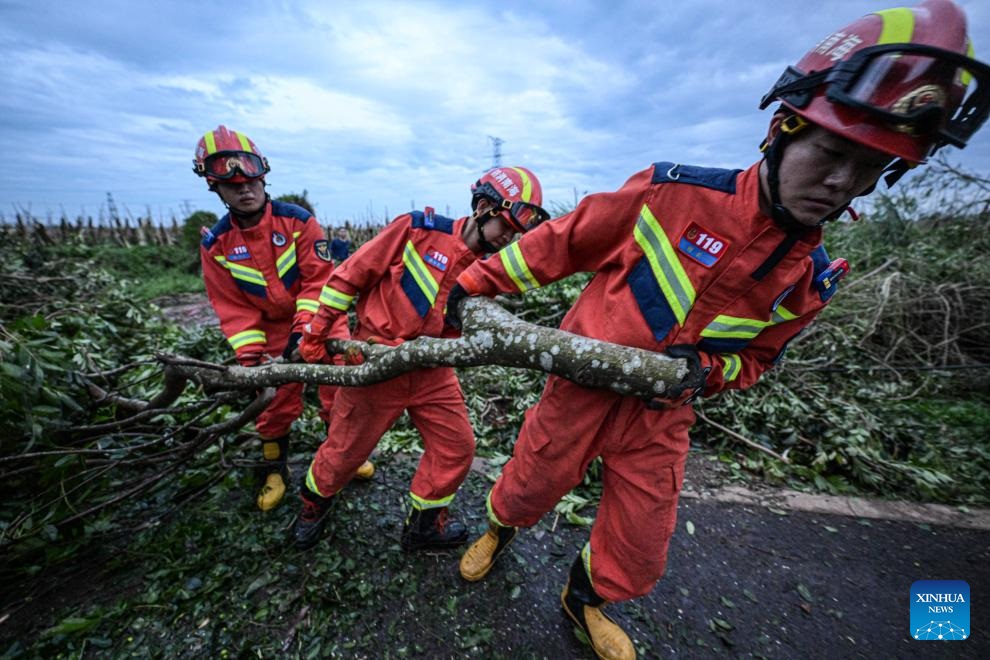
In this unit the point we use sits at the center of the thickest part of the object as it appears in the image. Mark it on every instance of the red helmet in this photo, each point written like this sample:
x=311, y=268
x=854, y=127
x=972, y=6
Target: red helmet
x=901, y=81
x=516, y=193
x=228, y=156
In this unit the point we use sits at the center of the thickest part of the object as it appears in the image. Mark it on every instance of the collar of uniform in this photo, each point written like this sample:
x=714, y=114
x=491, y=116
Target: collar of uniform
x=263, y=226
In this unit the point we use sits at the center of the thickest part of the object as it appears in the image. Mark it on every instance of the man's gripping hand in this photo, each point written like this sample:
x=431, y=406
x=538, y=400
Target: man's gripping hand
x=451, y=315
x=313, y=345
x=691, y=385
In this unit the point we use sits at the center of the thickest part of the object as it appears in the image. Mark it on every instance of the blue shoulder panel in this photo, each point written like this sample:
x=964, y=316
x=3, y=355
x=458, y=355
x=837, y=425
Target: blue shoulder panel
x=287, y=210
x=706, y=177
x=432, y=222
x=222, y=227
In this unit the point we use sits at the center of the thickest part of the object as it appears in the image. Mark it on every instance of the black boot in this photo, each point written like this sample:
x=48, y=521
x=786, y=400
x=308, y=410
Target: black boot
x=584, y=607
x=432, y=528
x=312, y=519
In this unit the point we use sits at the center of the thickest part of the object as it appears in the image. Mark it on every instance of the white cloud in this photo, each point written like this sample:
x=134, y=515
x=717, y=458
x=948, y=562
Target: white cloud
x=380, y=104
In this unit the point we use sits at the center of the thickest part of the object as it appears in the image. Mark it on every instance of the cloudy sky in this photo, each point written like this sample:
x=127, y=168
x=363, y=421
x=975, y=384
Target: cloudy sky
x=377, y=107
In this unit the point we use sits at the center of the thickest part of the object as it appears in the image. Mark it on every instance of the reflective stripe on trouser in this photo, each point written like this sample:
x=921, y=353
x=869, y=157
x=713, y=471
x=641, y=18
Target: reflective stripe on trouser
x=643, y=454
x=362, y=415
x=276, y=420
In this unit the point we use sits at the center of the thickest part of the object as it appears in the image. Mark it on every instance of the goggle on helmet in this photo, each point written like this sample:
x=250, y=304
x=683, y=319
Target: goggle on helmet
x=228, y=156
x=902, y=81
x=516, y=195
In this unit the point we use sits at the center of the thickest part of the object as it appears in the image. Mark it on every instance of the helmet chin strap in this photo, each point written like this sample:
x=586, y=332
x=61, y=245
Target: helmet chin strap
x=773, y=153
x=242, y=216
x=480, y=220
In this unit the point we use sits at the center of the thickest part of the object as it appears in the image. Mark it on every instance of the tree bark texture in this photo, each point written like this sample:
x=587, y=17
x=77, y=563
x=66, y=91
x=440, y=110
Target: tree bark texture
x=491, y=336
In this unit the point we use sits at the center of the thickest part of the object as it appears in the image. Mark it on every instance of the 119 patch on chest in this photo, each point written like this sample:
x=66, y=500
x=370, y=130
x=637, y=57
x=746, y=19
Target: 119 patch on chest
x=702, y=245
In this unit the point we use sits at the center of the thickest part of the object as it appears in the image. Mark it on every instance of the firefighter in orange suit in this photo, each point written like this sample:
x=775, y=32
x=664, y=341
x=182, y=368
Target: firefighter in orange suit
x=264, y=264
x=721, y=268
x=400, y=280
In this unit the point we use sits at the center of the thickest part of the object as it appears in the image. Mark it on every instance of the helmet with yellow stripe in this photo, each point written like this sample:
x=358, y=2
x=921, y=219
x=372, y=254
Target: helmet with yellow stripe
x=515, y=194
x=226, y=156
x=902, y=81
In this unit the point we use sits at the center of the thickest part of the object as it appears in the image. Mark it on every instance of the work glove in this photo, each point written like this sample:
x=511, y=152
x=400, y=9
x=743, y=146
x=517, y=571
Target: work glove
x=313, y=344
x=252, y=359
x=691, y=384
x=291, y=347
x=353, y=355
x=451, y=315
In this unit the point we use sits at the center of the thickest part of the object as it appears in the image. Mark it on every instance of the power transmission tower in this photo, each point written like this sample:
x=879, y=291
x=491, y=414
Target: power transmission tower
x=112, y=209
x=496, y=150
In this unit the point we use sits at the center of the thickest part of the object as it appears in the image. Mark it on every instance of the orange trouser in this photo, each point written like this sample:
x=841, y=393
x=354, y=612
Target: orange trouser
x=361, y=416
x=643, y=453
x=276, y=420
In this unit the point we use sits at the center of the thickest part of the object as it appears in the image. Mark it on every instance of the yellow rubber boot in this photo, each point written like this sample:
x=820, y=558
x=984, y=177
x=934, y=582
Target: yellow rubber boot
x=274, y=471
x=272, y=491
x=366, y=471
x=584, y=607
x=481, y=556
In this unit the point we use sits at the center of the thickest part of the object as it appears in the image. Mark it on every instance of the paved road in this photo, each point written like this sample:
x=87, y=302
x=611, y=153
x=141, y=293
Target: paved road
x=747, y=580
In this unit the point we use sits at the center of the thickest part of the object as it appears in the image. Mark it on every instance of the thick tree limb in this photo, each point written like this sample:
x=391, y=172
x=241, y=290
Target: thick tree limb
x=492, y=336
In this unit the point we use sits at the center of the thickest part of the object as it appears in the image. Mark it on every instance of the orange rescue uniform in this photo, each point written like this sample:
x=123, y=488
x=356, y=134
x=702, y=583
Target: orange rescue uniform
x=264, y=283
x=401, y=280
x=681, y=255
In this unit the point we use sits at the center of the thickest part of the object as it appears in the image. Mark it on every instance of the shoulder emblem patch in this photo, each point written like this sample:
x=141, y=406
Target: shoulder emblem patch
x=278, y=239
x=702, y=245
x=322, y=250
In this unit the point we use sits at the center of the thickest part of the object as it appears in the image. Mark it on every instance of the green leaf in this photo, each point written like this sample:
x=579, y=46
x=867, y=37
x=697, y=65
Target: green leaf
x=71, y=625
x=805, y=593
x=722, y=623
x=690, y=527
x=580, y=521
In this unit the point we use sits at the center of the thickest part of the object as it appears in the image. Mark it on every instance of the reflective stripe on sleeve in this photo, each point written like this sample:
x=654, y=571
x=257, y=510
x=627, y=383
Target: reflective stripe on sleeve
x=337, y=299
x=517, y=268
x=307, y=305
x=733, y=365
x=242, y=339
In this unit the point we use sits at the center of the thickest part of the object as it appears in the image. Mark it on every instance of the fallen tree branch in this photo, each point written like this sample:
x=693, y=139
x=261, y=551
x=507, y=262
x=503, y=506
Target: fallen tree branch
x=492, y=336
x=743, y=439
